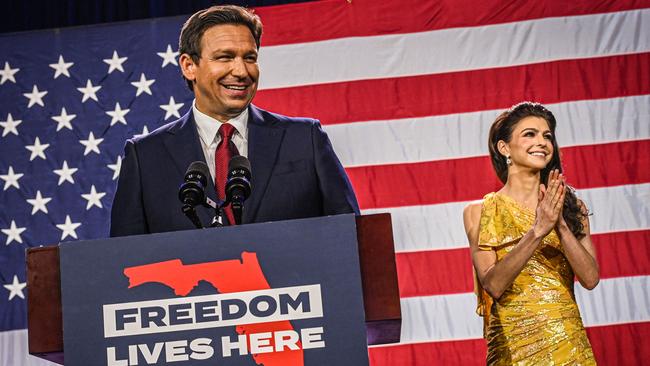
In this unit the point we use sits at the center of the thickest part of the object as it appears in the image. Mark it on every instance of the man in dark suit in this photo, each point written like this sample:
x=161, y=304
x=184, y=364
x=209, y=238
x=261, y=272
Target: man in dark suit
x=295, y=173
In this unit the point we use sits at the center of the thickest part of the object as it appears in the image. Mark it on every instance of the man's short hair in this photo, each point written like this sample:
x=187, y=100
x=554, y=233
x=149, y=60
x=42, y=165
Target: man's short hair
x=190, y=39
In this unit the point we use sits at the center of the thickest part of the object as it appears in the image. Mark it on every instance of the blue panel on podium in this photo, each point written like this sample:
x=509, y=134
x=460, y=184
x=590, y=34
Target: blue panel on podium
x=284, y=293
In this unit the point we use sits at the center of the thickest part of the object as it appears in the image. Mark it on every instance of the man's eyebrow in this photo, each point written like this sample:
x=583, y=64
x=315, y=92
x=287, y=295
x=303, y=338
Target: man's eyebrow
x=230, y=51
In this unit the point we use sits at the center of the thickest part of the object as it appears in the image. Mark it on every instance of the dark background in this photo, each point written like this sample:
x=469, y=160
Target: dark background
x=24, y=15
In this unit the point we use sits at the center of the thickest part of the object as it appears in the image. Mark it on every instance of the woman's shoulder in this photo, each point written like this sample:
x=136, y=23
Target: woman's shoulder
x=472, y=211
x=474, y=206
x=471, y=218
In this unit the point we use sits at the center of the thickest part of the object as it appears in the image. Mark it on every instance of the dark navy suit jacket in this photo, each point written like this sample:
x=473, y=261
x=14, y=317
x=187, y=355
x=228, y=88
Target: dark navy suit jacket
x=295, y=174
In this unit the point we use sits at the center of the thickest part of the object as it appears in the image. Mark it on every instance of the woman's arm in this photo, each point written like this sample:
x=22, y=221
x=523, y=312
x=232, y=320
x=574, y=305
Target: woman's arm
x=580, y=253
x=496, y=277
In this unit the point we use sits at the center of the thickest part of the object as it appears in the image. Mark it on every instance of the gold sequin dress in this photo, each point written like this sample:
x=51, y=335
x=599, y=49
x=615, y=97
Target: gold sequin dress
x=536, y=321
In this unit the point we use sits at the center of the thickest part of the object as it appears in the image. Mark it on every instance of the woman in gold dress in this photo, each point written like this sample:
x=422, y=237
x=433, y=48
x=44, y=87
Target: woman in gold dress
x=528, y=241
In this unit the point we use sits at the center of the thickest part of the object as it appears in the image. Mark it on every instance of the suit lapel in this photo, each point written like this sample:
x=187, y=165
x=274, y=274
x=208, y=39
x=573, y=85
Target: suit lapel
x=183, y=144
x=264, y=140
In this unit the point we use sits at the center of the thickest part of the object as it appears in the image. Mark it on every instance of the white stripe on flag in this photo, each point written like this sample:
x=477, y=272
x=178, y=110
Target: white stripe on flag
x=621, y=208
x=431, y=227
x=463, y=135
x=440, y=318
x=14, y=347
x=455, y=49
x=615, y=300
x=453, y=317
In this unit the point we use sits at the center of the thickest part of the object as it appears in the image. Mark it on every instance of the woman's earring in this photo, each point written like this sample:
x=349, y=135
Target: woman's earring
x=508, y=161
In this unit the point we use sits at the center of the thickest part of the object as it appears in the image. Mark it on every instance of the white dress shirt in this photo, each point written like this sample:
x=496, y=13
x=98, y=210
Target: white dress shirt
x=208, y=129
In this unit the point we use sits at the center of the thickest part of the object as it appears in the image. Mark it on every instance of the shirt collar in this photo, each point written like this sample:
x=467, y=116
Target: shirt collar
x=208, y=127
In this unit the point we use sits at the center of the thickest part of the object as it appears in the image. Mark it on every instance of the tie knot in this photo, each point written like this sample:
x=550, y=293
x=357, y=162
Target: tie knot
x=226, y=131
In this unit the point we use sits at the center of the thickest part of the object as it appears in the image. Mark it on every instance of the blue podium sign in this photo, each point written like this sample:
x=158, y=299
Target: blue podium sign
x=273, y=294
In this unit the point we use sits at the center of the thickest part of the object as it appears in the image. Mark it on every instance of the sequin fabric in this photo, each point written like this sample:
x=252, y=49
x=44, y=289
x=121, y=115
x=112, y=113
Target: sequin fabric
x=536, y=321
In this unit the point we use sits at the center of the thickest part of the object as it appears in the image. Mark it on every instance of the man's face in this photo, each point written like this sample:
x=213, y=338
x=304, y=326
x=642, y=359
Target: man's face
x=227, y=73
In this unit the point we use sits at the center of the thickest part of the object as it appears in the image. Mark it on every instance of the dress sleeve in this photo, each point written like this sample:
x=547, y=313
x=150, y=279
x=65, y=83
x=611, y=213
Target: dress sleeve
x=489, y=229
x=487, y=240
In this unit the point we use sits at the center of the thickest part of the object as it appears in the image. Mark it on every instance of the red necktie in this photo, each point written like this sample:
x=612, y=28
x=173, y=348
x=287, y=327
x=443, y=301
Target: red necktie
x=225, y=150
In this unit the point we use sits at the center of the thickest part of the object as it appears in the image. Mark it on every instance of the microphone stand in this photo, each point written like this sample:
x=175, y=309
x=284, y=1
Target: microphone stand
x=190, y=212
x=218, y=219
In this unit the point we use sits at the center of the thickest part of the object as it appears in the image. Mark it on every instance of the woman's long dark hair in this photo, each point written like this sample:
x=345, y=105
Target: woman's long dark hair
x=502, y=130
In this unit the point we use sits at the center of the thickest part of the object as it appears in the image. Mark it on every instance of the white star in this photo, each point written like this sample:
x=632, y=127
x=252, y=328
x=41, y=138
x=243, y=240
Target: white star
x=145, y=131
x=61, y=67
x=115, y=63
x=118, y=114
x=10, y=125
x=35, y=97
x=8, y=74
x=11, y=179
x=93, y=198
x=169, y=56
x=92, y=144
x=172, y=108
x=64, y=120
x=143, y=85
x=39, y=203
x=37, y=149
x=16, y=288
x=13, y=233
x=116, y=167
x=65, y=173
x=68, y=228
x=89, y=92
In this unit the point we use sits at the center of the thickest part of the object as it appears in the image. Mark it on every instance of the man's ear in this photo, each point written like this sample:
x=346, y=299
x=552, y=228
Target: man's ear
x=188, y=66
x=503, y=148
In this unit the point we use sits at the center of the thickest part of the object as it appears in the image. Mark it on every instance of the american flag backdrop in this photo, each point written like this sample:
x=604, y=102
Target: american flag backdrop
x=406, y=91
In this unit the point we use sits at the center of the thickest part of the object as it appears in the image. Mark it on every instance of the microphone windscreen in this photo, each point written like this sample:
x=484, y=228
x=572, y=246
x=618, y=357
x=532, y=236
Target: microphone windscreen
x=199, y=168
x=239, y=162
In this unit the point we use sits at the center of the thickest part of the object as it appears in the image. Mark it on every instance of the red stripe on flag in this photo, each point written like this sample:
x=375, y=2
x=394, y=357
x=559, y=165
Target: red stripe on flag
x=447, y=180
x=318, y=21
x=466, y=353
x=622, y=344
x=465, y=91
x=618, y=163
x=427, y=273
x=623, y=253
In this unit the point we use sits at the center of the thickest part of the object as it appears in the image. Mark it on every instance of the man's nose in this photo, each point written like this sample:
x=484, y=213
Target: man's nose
x=239, y=67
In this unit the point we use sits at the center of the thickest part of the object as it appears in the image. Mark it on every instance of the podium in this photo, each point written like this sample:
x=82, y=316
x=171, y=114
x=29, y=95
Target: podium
x=329, y=296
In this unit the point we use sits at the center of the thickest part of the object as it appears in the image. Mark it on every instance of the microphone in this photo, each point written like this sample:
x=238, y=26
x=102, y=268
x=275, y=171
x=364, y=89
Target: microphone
x=238, y=185
x=192, y=192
